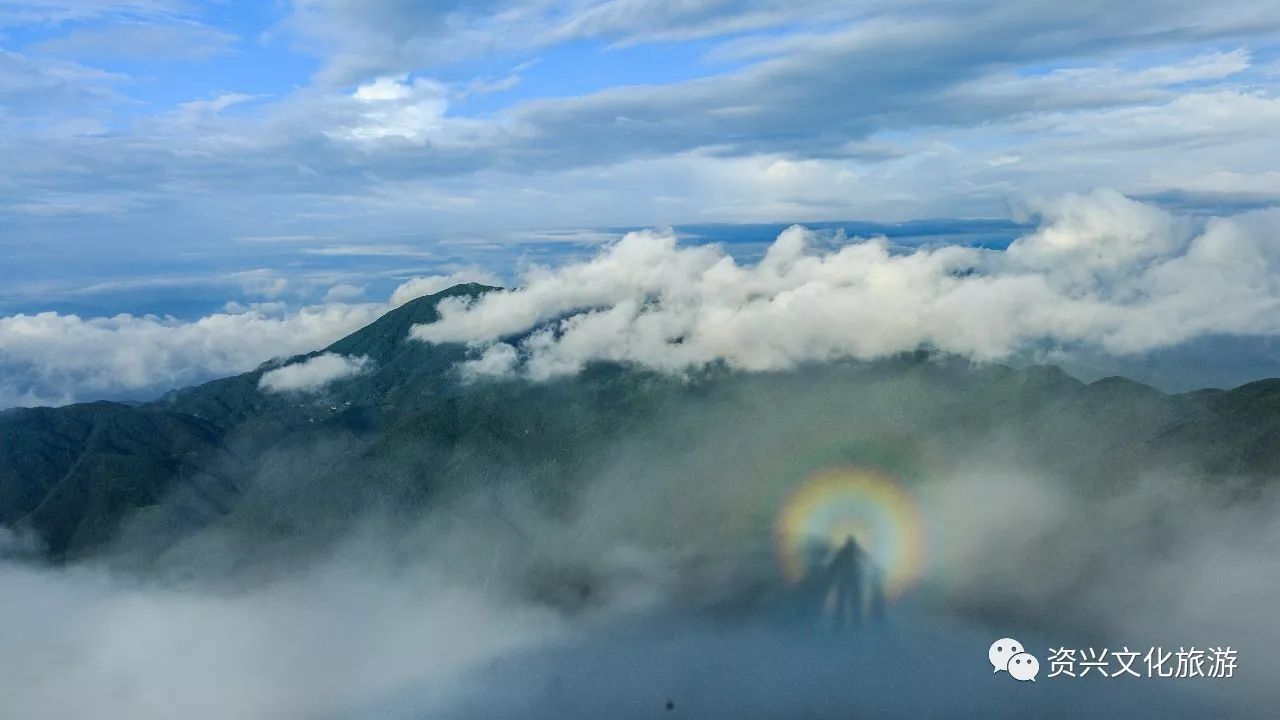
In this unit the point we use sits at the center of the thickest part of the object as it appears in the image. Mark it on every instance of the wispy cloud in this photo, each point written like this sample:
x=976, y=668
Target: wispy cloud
x=371, y=249
x=883, y=110
x=312, y=374
x=140, y=41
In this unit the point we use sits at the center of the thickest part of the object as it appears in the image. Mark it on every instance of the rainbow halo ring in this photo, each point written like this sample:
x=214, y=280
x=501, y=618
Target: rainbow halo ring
x=868, y=505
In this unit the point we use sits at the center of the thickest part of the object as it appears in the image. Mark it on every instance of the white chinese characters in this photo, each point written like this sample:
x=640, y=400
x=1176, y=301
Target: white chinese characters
x=1156, y=662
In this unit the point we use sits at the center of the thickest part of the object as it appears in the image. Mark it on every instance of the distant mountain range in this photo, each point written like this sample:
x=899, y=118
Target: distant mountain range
x=410, y=432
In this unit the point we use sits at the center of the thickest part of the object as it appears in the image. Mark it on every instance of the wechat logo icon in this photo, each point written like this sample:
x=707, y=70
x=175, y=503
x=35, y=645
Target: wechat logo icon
x=1010, y=656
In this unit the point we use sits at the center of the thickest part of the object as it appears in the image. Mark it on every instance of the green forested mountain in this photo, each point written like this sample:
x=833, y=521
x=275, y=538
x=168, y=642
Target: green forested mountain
x=410, y=432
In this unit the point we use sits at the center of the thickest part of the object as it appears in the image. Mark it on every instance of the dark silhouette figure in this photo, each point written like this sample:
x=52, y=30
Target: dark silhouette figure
x=844, y=601
x=846, y=591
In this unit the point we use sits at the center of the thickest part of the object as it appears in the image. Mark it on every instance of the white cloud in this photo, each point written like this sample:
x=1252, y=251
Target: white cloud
x=214, y=105
x=49, y=358
x=373, y=137
x=1096, y=85
x=344, y=292
x=902, y=111
x=30, y=86
x=1102, y=270
x=429, y=285
x=313, y=374
x=141, y=41
x=497, y=360
x=21, y=12
x=371, y=250
x=262, y=283
x=54, y=359
x=392, y=108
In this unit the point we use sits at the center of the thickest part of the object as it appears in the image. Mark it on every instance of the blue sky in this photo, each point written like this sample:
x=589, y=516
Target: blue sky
x=143, y=132
x=169, y=157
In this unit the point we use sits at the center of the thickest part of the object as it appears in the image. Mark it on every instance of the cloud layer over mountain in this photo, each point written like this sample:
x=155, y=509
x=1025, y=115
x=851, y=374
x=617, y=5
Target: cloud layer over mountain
x=50, y=358
x=1101, y=271
x=1102, y=275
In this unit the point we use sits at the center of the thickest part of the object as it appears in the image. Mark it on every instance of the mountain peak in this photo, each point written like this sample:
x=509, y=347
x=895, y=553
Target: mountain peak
x=383, y=338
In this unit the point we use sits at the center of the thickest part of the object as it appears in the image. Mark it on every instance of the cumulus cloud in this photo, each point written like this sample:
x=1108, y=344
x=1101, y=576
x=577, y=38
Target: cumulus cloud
x=1101, y=270
x=394, y=108
x=51, y=358
x=312, y=374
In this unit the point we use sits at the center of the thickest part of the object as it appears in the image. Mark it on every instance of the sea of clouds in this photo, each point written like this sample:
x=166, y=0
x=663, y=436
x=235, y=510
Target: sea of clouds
x=1100, y=274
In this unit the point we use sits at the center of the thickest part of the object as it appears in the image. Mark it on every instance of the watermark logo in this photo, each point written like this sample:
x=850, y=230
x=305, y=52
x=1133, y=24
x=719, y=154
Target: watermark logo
x=1012, y=657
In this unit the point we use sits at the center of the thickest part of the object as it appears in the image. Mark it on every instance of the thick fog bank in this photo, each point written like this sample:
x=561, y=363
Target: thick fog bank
x=649, y=580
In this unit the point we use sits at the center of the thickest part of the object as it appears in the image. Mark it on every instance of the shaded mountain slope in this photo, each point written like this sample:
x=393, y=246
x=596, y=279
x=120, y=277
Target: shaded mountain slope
x=71, y=472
